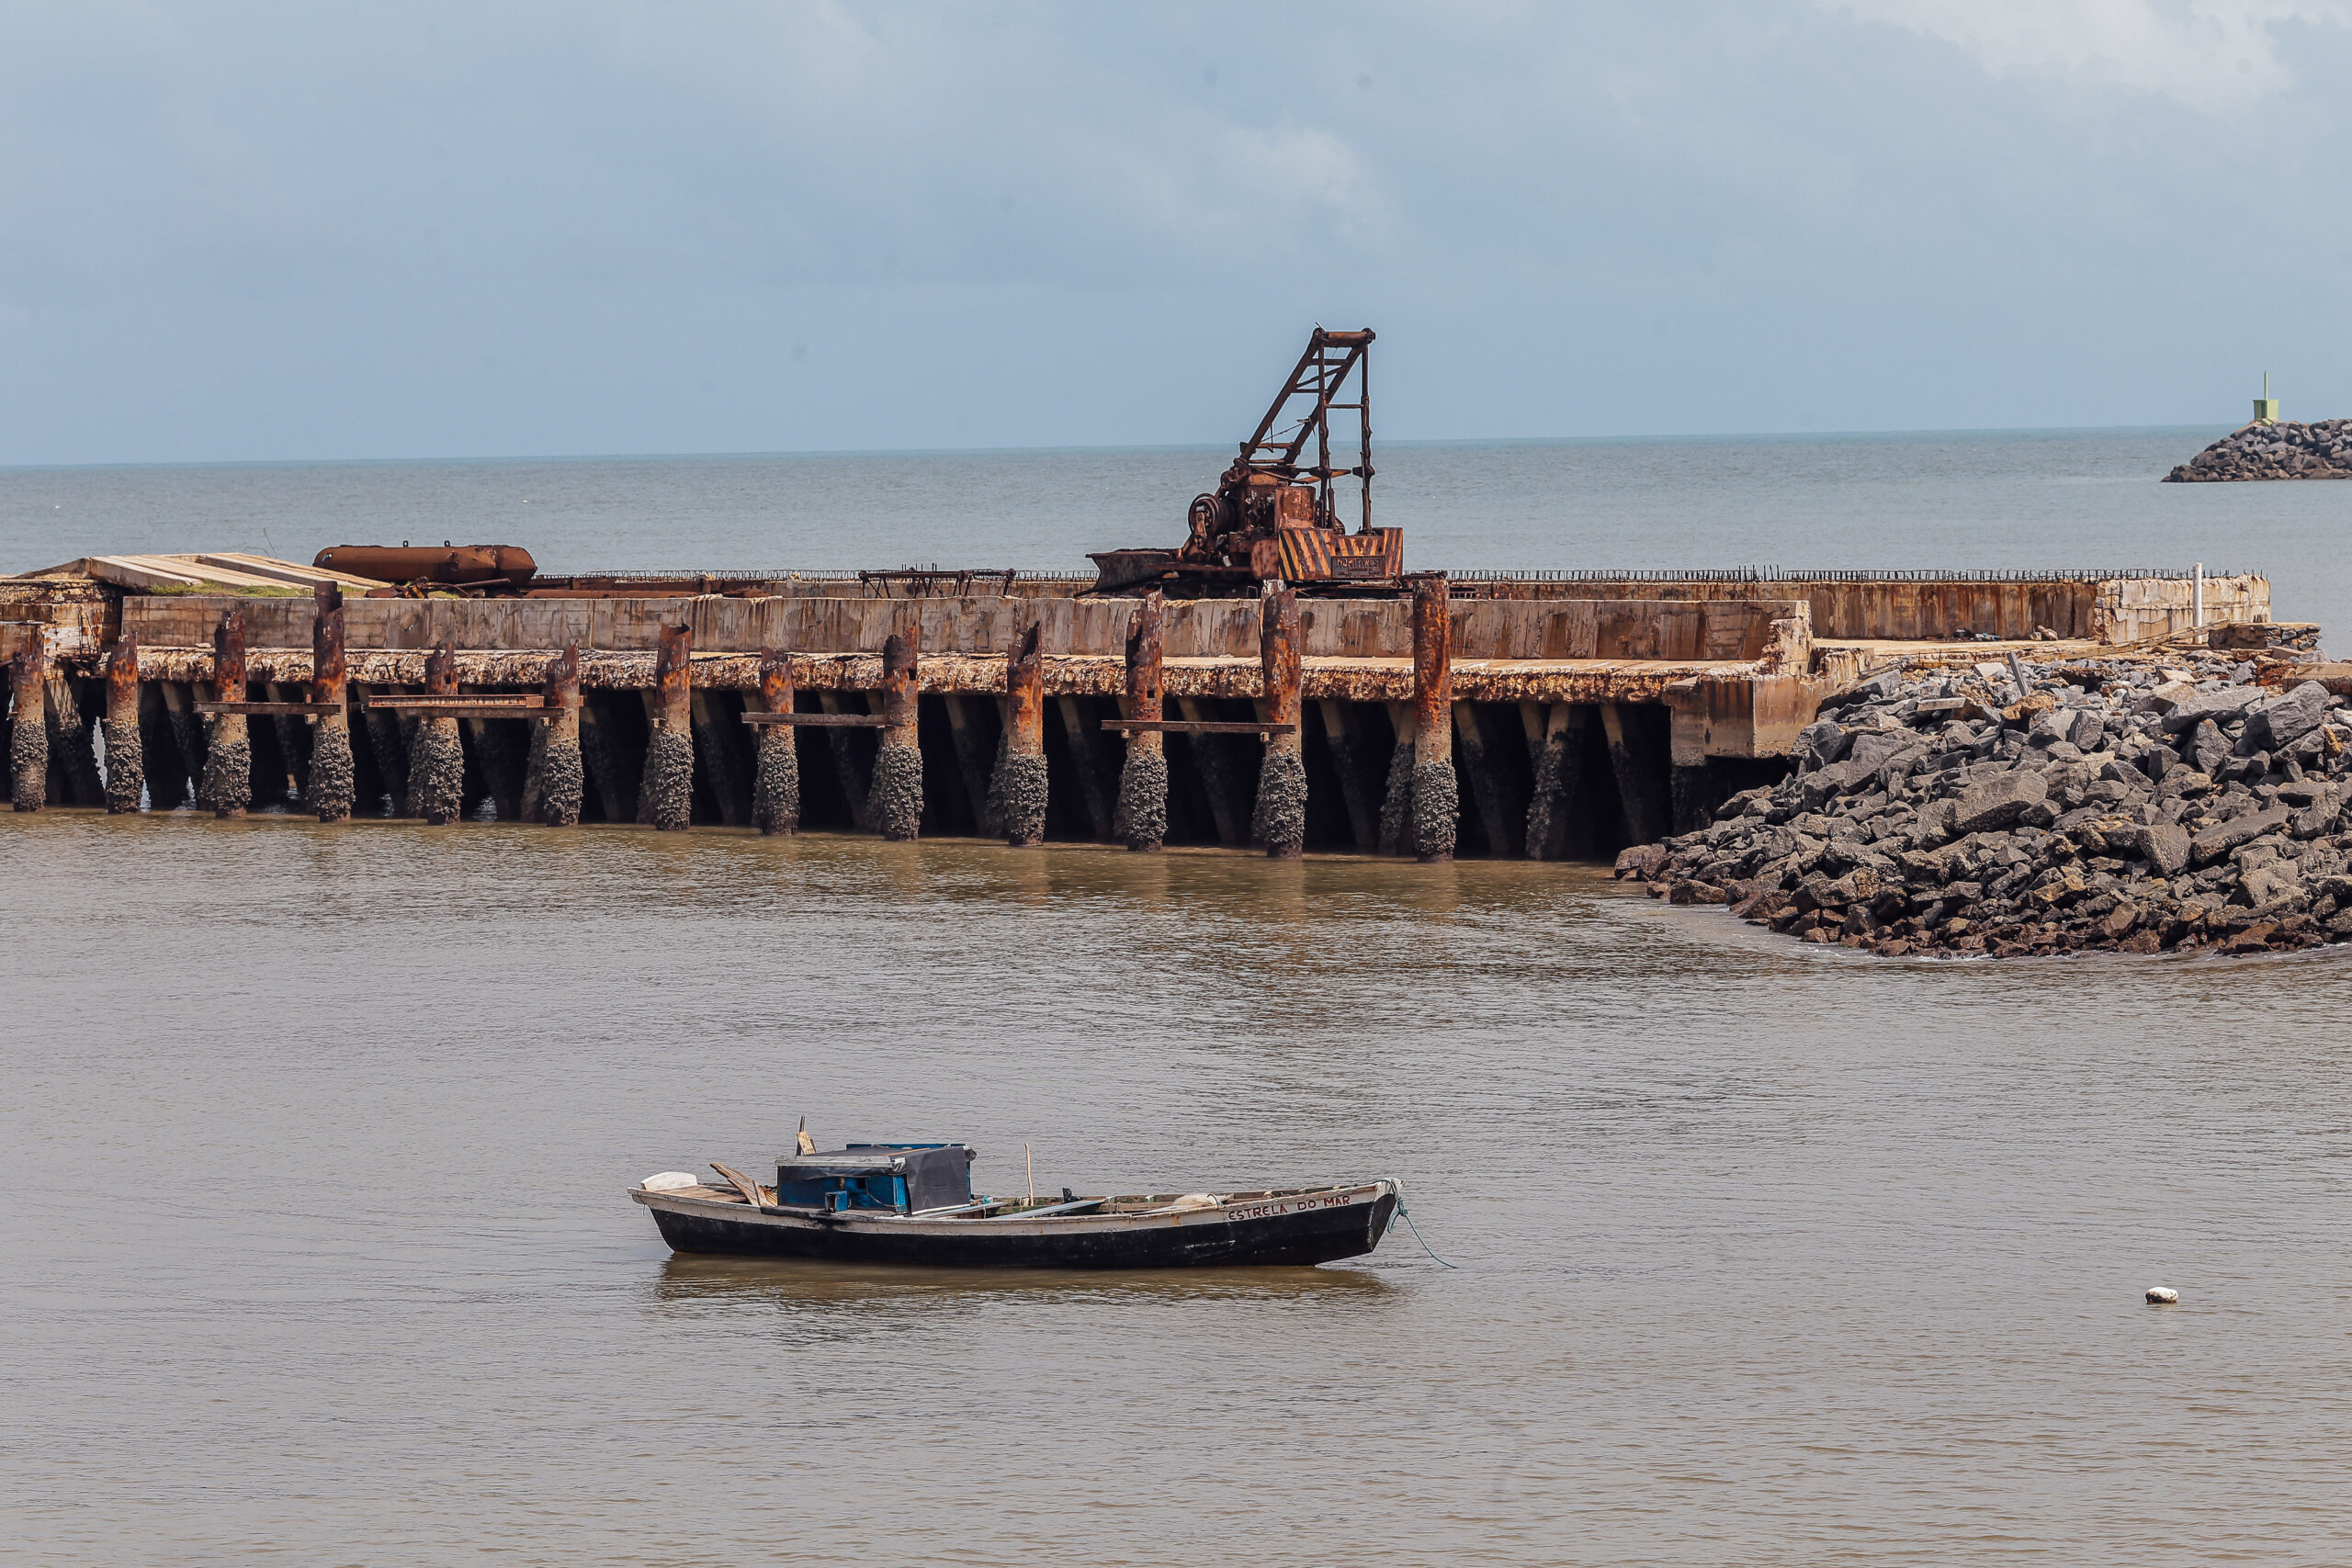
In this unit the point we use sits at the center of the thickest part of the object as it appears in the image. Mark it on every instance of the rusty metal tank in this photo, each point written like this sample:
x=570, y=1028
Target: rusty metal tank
x=457, y=565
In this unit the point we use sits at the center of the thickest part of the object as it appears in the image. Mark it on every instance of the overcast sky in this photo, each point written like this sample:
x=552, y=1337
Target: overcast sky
x=281, y=231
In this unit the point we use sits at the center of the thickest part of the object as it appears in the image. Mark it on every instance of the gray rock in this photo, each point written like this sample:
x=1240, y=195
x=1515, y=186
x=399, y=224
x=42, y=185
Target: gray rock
x=2281, y=723
x=2224, y=705
x=2165, y=846
x=2216, y=842
x=1997, y=801
x=2205, y=746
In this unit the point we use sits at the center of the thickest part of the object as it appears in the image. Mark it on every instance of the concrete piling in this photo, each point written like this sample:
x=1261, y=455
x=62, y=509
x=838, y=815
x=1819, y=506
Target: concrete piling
x=1020, y=789
x=604, y=754
x=1557, y=743
x=666, y=797
x=1355, y=758
x=334, y=774
x=27, y=732
x=1279, y=821
x=126, y=760
x=228, y=786
x=896, y=801
x=976, y=757
x=850, y=764
x=189, y=734
x=775, y=787
x=1502, y=817
x=1141, y=818
x=1396, y=800
x=1437, y=800
x=718, y=727
x=436, y=757
x=166, y=764
x=1641, y=825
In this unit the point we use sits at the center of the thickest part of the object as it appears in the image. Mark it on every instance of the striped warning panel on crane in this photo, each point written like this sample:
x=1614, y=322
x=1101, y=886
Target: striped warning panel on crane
x=1323, y=555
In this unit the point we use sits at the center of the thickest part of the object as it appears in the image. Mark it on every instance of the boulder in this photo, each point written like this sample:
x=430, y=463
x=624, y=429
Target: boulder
x=2276, y=725
x=1998, y=801
x=2221, y=706
x=2216, y=842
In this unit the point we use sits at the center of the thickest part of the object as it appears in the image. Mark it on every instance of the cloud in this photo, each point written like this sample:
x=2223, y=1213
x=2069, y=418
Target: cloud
x=2219, y=57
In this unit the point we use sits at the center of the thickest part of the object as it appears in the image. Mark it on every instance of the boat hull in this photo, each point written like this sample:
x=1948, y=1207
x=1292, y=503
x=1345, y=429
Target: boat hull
x=1293, y=1230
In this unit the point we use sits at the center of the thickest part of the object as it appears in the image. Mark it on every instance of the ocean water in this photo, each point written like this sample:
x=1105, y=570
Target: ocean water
x=1963, y=501
x=318, y=1250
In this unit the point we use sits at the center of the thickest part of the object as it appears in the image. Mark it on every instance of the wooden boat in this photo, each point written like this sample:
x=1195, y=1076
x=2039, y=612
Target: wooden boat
x=913, y=1203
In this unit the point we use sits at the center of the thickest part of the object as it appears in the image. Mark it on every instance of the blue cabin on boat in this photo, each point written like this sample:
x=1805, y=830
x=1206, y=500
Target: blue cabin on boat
x=903, y=1178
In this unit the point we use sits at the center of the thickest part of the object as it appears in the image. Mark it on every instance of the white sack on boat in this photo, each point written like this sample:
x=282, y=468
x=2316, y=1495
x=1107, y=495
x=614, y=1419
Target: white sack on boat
x=670, y=1181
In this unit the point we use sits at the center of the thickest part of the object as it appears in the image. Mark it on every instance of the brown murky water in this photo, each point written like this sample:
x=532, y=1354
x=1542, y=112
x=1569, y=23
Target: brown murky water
x=317, y=1250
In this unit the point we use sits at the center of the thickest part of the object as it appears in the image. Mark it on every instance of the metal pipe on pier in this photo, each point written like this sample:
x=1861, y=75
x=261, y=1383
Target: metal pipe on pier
x=895, y=800
x=126, y=758
x=1141, y=818
x=228, y=786
x=1279, y=817
x=665, y=799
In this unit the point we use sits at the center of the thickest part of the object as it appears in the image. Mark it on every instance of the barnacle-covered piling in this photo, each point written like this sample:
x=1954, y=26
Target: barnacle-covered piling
x=436, y=758
x=666, y=797
x=1141, y=820
x=1020, y=789
x=554, y=780
x=775, y=791
x=27, y=733
x=896, y=804
x=228, y=786
x=1437, y=802
x=1280, y=819
x=333, y=774
x=126, y=761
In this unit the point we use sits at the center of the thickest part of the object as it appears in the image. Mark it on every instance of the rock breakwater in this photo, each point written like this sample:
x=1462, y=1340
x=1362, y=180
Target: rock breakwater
x=2282, y=450
x=2027, y=810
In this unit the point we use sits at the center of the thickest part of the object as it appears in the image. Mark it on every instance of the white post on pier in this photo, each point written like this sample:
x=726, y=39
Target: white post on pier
x=2200, y=594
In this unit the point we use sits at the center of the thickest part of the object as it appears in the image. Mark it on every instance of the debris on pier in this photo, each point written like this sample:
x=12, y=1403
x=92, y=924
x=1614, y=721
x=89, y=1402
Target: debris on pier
x=2192, y=799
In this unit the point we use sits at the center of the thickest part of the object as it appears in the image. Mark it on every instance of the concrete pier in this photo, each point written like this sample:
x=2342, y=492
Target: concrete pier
x=1545, y=717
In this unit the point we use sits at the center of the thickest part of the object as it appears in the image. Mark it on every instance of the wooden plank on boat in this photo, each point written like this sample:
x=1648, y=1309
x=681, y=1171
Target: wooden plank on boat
x=830, y=720
x=740, y=1182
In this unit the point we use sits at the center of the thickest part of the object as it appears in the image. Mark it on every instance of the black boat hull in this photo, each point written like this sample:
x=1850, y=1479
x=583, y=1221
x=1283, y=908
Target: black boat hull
x=1345, y=1225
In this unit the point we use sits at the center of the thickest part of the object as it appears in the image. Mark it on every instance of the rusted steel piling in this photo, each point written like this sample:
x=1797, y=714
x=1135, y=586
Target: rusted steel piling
x=1437, y=800
x=1141, y=820
x=436, y=757
x=126, y=762
x=228, y=786
x=1279, y=821
x=775, y=788
x=666, y=798
x=554, y=780
x=1021, y=789
x=334, y=778
x=895, y=801
x=29, y=732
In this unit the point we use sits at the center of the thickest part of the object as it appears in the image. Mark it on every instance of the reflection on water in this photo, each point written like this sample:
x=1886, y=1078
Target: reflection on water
x=800, y=1286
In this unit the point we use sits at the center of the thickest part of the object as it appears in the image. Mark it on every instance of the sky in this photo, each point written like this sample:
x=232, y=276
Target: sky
x=246, y=232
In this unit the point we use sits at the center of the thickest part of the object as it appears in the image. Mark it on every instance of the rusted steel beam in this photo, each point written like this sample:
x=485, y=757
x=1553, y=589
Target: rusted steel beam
x=554, y=780
x=1437, y=798
x=1634, y=789
x=28, y=731
x=260, y=710
x=816, y=721
x=1264, y=729
x=125, y=754
x=896, y=803
x=666, y=797
x=437, y=764
x=1141, y=820
x=1020, y=791
x=775, y=787
x=1555, y=741
x=228, y=786
x=1280, y=819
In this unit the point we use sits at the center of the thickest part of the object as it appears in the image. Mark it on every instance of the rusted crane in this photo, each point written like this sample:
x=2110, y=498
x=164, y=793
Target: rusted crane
x=1274, y=514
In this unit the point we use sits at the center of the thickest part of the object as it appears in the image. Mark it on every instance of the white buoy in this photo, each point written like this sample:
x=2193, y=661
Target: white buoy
x=2161, y=1295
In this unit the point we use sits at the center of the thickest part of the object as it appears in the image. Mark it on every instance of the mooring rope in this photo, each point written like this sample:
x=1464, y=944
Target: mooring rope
x=1407, y=1215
